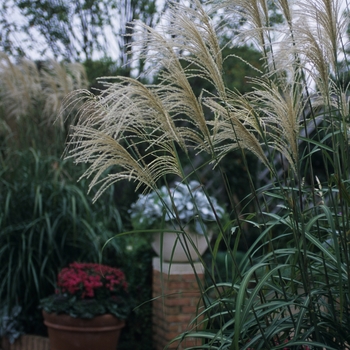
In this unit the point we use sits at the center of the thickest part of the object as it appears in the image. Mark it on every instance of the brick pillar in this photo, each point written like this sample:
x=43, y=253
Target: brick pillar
x=176, y=299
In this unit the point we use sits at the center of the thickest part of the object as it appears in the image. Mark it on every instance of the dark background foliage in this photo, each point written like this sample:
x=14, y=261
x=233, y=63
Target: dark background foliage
x=47, y=219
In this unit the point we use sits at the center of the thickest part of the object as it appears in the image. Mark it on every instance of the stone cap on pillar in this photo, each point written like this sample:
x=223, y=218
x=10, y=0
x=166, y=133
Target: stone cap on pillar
x=175, y=268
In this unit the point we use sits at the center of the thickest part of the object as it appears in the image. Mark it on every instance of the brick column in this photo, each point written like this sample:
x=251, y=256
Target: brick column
x=177, y=297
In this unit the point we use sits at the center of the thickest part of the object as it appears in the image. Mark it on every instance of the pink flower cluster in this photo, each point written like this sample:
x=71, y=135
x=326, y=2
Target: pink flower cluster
x=85, y=280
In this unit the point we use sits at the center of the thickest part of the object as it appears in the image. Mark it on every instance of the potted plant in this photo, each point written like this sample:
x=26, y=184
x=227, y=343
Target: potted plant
x=88, y=309
x=183, y=214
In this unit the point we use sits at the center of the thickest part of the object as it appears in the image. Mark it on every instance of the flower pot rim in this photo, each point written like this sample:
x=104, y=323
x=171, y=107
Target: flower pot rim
x=63, y=321
x=170, y=246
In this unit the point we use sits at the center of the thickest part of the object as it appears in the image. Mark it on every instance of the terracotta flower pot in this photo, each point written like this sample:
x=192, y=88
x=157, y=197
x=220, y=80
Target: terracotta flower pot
x=68, y=333
x=173, y=245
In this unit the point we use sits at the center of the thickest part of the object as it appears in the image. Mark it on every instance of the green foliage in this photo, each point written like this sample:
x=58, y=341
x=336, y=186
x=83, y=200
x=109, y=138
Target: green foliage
x=46, y=221
x=136, y=261
x=291, y=288
x=105, y=67
x=85, y=308
x=241, y=65
x=46, y=218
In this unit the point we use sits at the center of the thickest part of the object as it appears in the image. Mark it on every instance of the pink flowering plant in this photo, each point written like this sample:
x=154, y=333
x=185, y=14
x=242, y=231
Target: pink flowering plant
x=86, y=290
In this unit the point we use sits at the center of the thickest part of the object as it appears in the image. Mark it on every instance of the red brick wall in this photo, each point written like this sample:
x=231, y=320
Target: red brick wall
x=176, y=301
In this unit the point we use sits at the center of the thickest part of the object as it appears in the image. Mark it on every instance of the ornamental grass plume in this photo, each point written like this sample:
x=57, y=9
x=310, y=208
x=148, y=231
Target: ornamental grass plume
x=34, y=91
x=142, y=127
x=292, y=286
x=20, y=84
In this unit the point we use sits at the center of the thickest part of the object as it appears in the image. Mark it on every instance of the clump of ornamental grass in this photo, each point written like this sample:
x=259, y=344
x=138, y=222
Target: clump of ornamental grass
x=28, y=85
x=293, y=285
x=31, y=94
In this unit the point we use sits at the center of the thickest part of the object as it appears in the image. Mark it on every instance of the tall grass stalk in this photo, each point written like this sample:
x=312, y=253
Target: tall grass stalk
x=292, y=286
